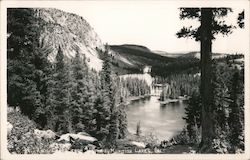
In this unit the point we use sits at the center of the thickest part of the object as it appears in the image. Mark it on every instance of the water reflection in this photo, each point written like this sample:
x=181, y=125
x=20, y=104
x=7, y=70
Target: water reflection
x=165, y=120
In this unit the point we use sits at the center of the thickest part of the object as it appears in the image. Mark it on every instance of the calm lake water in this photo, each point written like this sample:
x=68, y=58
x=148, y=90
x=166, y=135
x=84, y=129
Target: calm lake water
x=163, y=121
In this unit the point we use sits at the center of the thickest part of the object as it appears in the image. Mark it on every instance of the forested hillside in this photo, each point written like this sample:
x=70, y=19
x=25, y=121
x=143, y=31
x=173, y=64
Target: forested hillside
x=161, y=65
x=65, y=95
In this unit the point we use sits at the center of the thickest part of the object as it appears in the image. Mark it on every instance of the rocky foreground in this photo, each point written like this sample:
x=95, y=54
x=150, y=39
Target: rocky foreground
x=25, y=138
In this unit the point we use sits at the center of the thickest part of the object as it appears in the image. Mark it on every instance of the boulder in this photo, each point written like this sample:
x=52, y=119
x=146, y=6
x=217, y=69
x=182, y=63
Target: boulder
x=99, y=151
x=9, y=127
x=66, y=137
x=48, y=134
x=138, y=144
x=83, y=133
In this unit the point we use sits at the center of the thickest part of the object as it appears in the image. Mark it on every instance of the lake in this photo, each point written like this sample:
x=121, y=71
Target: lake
x=162, y=120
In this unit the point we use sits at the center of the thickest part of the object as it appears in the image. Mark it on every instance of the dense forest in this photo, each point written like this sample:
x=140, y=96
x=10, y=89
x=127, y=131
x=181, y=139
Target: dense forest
x=176, y=85
x=228, y=109
x=65, y=96
x=132, y=87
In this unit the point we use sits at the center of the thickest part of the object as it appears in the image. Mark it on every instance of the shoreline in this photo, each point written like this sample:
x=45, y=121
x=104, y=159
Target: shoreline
x=135, y=98
x=169, y=100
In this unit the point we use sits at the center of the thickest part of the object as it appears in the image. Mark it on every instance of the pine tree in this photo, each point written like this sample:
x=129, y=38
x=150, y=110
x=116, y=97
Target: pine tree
x=90, y=110
x=114, y=128
x=118, y=121
x=122, y=118
x=221, y=75
x=60, y=98
x=28, y=67
x=205, y=33
x=236, y=114
x=193, y=116
x=42, y=74
x=102, y=118
x=138, y=129
x=104, y=101
x=80, y=97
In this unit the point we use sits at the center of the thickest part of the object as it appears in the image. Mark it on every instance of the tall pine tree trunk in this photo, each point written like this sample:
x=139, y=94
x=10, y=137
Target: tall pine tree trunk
x=206, y=89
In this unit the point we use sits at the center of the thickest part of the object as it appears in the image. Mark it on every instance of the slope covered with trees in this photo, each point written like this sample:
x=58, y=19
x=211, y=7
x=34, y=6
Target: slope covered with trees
x=161, y=65
x=64, y=95
x=176, y=85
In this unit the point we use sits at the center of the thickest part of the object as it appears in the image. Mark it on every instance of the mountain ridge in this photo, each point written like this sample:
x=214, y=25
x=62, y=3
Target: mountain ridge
x=72, y=33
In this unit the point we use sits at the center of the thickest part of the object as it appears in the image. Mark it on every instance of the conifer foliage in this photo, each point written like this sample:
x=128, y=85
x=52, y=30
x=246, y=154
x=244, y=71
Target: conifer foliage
x=62, y=95
x=82, y=105
x=228, y=110
x=236, y=111
x=193, y=117
x=28, y=66
x=211, y=24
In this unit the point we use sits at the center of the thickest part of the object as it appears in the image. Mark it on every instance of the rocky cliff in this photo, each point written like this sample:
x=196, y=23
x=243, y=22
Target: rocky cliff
x=72, y=33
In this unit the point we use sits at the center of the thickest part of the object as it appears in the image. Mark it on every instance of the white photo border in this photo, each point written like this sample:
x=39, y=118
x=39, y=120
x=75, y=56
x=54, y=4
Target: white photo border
x=4, y=154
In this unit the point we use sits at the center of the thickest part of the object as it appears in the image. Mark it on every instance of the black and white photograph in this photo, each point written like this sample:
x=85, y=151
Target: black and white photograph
x=124, y=78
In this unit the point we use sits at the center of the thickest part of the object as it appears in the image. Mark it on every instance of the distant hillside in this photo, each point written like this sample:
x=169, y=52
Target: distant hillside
x=139, y=56
x=136, y=47
x=167, y=54
x=193, y=54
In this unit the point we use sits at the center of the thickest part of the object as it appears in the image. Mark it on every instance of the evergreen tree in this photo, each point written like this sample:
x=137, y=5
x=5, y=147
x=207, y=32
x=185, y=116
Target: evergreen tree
x=82, y=104
x=221, y=75
x=102, y=118
x=114, y=128
x=193, y=117
x=61, y=96
x=104, y=101
x=28, y=67
x=138, y=129
x=205, y=33
x=122, y=118
x=236, y=114
x=89, y=112
x=42, y=74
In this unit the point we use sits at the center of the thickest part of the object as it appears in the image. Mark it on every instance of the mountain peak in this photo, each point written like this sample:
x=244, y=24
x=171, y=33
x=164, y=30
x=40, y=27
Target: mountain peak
x=72, y=33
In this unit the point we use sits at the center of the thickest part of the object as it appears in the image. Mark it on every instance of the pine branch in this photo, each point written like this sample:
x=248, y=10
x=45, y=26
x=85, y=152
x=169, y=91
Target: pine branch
x=188, y=32
x=240, y=21
x=189, y=13
x=221, y=12
x=221, y=27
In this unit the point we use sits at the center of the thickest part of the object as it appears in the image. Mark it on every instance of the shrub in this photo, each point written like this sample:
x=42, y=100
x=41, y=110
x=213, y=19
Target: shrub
x=22, y=140
x=183, y=138
x=151, y=139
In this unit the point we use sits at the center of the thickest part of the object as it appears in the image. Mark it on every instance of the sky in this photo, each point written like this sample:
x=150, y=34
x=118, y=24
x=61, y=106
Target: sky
x=154, y=24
